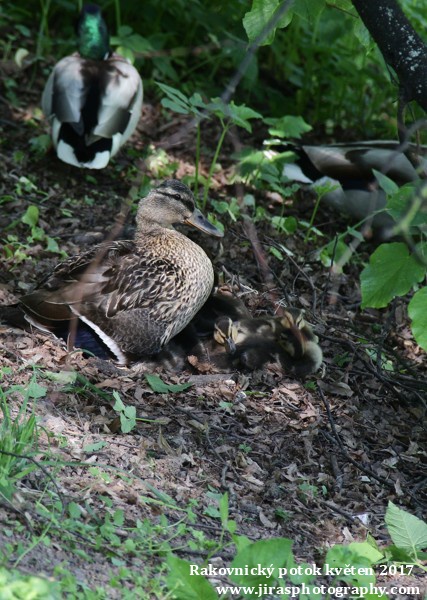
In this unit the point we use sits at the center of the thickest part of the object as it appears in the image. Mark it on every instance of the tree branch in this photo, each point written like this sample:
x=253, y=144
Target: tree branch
x=400, y=45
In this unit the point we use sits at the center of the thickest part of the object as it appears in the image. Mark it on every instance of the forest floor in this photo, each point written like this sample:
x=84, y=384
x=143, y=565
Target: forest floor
x=316, y=461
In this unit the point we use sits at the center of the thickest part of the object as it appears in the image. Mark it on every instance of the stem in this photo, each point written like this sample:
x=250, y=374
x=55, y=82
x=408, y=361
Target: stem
x=118, y=15
x=196, y=175
x=36, y=542
x=313, y=216
x=214, y=160
x=43, y=29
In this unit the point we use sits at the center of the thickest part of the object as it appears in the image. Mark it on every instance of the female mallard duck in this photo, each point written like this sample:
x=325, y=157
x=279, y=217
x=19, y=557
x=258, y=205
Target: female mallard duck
x=93, y=98
x=350, y=168
x=252, y=343
x=134, y=295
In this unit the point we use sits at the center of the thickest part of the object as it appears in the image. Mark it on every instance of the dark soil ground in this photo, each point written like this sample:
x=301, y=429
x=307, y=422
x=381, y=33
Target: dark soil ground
x=315, y=461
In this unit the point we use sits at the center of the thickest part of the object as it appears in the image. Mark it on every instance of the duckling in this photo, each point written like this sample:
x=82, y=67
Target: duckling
x=196, y=343
x=350, y=168
x=299, y=352
x=219, y=304
x=134, y=295
x=226, y=334
x=252, y=343
x=92, y=98
x=242, y=344
x=206, y=349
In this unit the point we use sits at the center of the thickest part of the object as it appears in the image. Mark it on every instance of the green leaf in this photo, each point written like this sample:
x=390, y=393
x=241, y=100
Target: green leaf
x=309, y=10
x=285, y=224
x=184, y=586
x=176, y=100
x=24, y=30
x=338, y=252
x=128, y=419
x=127, y=414
x=363, y=36
x=417, y=311
x=34, y=390
x=175, y=106
x=223, y=508
x=367, y=550
x=407, y=531
x=197, y=101
x=238, y=114
x=273, y=553
x=62, y=377
x=124, y=31
x=243, y=112
x=396, y=554
x=241, y=542
x=159, y=386
x=385, y=183
x=231, y=526
x=94, y=447
x=339, y=556
x=258, y=18
x=119, y=517
x=302, y=575
x=40, y=144
x=31, y=216
x=275, y=252
x=161, y=496
x=16, y=585
x=391, y=272
x=118, y=405
x=52, y=245
x=134, y=42
x=74, y=510
x=397, y=203
x=288, y=126
x=127, y=53
x=212, y=511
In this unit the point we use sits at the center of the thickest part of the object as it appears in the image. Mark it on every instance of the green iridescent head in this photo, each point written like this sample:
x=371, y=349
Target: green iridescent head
x=93, y=38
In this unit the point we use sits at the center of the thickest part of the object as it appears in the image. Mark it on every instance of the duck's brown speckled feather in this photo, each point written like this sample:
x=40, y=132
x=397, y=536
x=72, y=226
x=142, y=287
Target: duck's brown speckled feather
x=135, y=295
x=120, y=285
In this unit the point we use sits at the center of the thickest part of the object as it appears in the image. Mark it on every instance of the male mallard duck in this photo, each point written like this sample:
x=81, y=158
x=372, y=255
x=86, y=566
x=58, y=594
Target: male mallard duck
x=134, y=295
x=349, y=167
x=252, y=343
x=93, y=98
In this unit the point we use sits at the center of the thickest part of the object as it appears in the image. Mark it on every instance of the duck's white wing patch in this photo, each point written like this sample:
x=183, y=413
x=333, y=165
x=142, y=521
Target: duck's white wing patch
x=108, y=341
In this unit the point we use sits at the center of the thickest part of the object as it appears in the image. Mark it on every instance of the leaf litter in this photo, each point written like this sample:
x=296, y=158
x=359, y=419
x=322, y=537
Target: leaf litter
x=294, y=456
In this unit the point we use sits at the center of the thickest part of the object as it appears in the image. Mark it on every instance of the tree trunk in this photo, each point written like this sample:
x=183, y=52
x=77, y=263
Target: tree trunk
x=401, y=46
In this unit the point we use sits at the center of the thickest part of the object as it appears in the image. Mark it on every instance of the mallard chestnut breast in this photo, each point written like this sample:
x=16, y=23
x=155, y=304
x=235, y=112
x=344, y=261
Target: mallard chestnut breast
x=92, y=98
x=135, y=295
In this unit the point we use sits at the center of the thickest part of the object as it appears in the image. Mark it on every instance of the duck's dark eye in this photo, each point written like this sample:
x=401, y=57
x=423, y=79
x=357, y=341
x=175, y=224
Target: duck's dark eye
x=177, y=196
